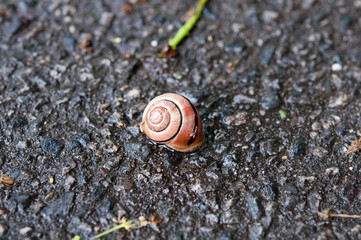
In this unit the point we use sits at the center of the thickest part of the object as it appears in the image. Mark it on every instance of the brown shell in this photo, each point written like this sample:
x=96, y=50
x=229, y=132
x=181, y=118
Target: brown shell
x=173, y=120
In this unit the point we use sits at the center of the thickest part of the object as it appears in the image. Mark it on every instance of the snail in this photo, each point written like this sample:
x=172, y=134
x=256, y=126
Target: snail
x=173, y=120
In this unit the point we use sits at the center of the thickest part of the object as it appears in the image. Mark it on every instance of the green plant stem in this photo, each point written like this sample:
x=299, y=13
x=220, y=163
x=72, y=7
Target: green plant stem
x=282, y=114
x=188, y=25
x=109, y=231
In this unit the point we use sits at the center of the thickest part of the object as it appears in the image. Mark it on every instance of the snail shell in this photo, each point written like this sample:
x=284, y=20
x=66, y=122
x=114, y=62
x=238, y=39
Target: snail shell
x=173, y=120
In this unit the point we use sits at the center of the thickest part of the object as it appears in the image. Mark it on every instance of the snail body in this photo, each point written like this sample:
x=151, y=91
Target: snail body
x=173, y=120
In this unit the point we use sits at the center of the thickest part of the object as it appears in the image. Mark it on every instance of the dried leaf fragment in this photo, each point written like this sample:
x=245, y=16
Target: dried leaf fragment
x=143, y=222
x=354, y=147
x=87, y=44
x=153, y=223
x=7, y=181
x=327, y=215
x=126, y=8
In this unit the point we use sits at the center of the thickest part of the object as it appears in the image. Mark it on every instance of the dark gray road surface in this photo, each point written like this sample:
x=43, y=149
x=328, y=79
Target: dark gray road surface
x=75, y=77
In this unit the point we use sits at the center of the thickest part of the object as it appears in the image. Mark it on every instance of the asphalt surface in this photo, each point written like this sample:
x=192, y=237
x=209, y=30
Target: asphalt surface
x=75, y=77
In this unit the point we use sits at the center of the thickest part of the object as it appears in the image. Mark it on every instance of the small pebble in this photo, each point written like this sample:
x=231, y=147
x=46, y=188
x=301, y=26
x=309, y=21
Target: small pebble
x=213, y=219
x=357, y=3
x=336, y=67
x=2, y=158
x=319, y=152
x=300, y=148
x=249, y=136
x=237, y=119
x=154, y=43
x=256, y=231
x=69, y=43
x=345, y=23
x=270, y=15
x=83, y=138
x=270, y=101
x=19, y=122
x=290, y=196
x=68, y=167
x=254, y=206
x=240, y=98
x=25, y=230
x=69, y=182
x=52, y=146
x=133, y=93
x=339, y=100
x=237, y=45
x=2, y=230
x=267, y=54
x=106, y=18
x=332, y=170
x=22, y=145
x=237, y=27
x=10, y=29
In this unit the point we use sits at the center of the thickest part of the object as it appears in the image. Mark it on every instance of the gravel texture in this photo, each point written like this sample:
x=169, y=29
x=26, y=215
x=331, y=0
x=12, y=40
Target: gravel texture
x=75, y=77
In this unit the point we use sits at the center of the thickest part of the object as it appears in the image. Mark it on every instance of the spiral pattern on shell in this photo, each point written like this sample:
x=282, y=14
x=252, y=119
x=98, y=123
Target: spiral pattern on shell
x=173, y=120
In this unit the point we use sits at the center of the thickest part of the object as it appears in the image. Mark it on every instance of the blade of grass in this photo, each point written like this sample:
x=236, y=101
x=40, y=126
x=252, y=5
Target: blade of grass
x=128, y=225
x=188, y=25
x=282, y=114
x=109, y=231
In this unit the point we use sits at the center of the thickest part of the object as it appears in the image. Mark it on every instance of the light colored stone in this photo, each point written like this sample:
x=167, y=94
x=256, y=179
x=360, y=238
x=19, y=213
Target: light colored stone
x=69, y=182
x=25, y=230
x=338, y=101
x=332, y=170
x=336, y=67
x=2, y=230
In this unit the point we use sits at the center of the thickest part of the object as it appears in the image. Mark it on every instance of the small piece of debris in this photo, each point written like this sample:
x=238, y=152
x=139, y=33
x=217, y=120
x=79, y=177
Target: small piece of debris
x=106, y=18
x=25, y=230
x=332, y=170
x=338, y=101
x=7, y=181
x=354, y=147
x=237, y=27
x=137, y=1
x=143, y=222
x=153, y=223
x=117, y=40
x=327, y=215
x=127, y=225
x=126, y=8
x=87, y=44
x=270, y=15
x=22, y=145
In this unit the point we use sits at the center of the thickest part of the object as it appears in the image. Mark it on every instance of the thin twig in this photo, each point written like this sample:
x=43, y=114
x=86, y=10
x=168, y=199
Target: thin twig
x=327, y=214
